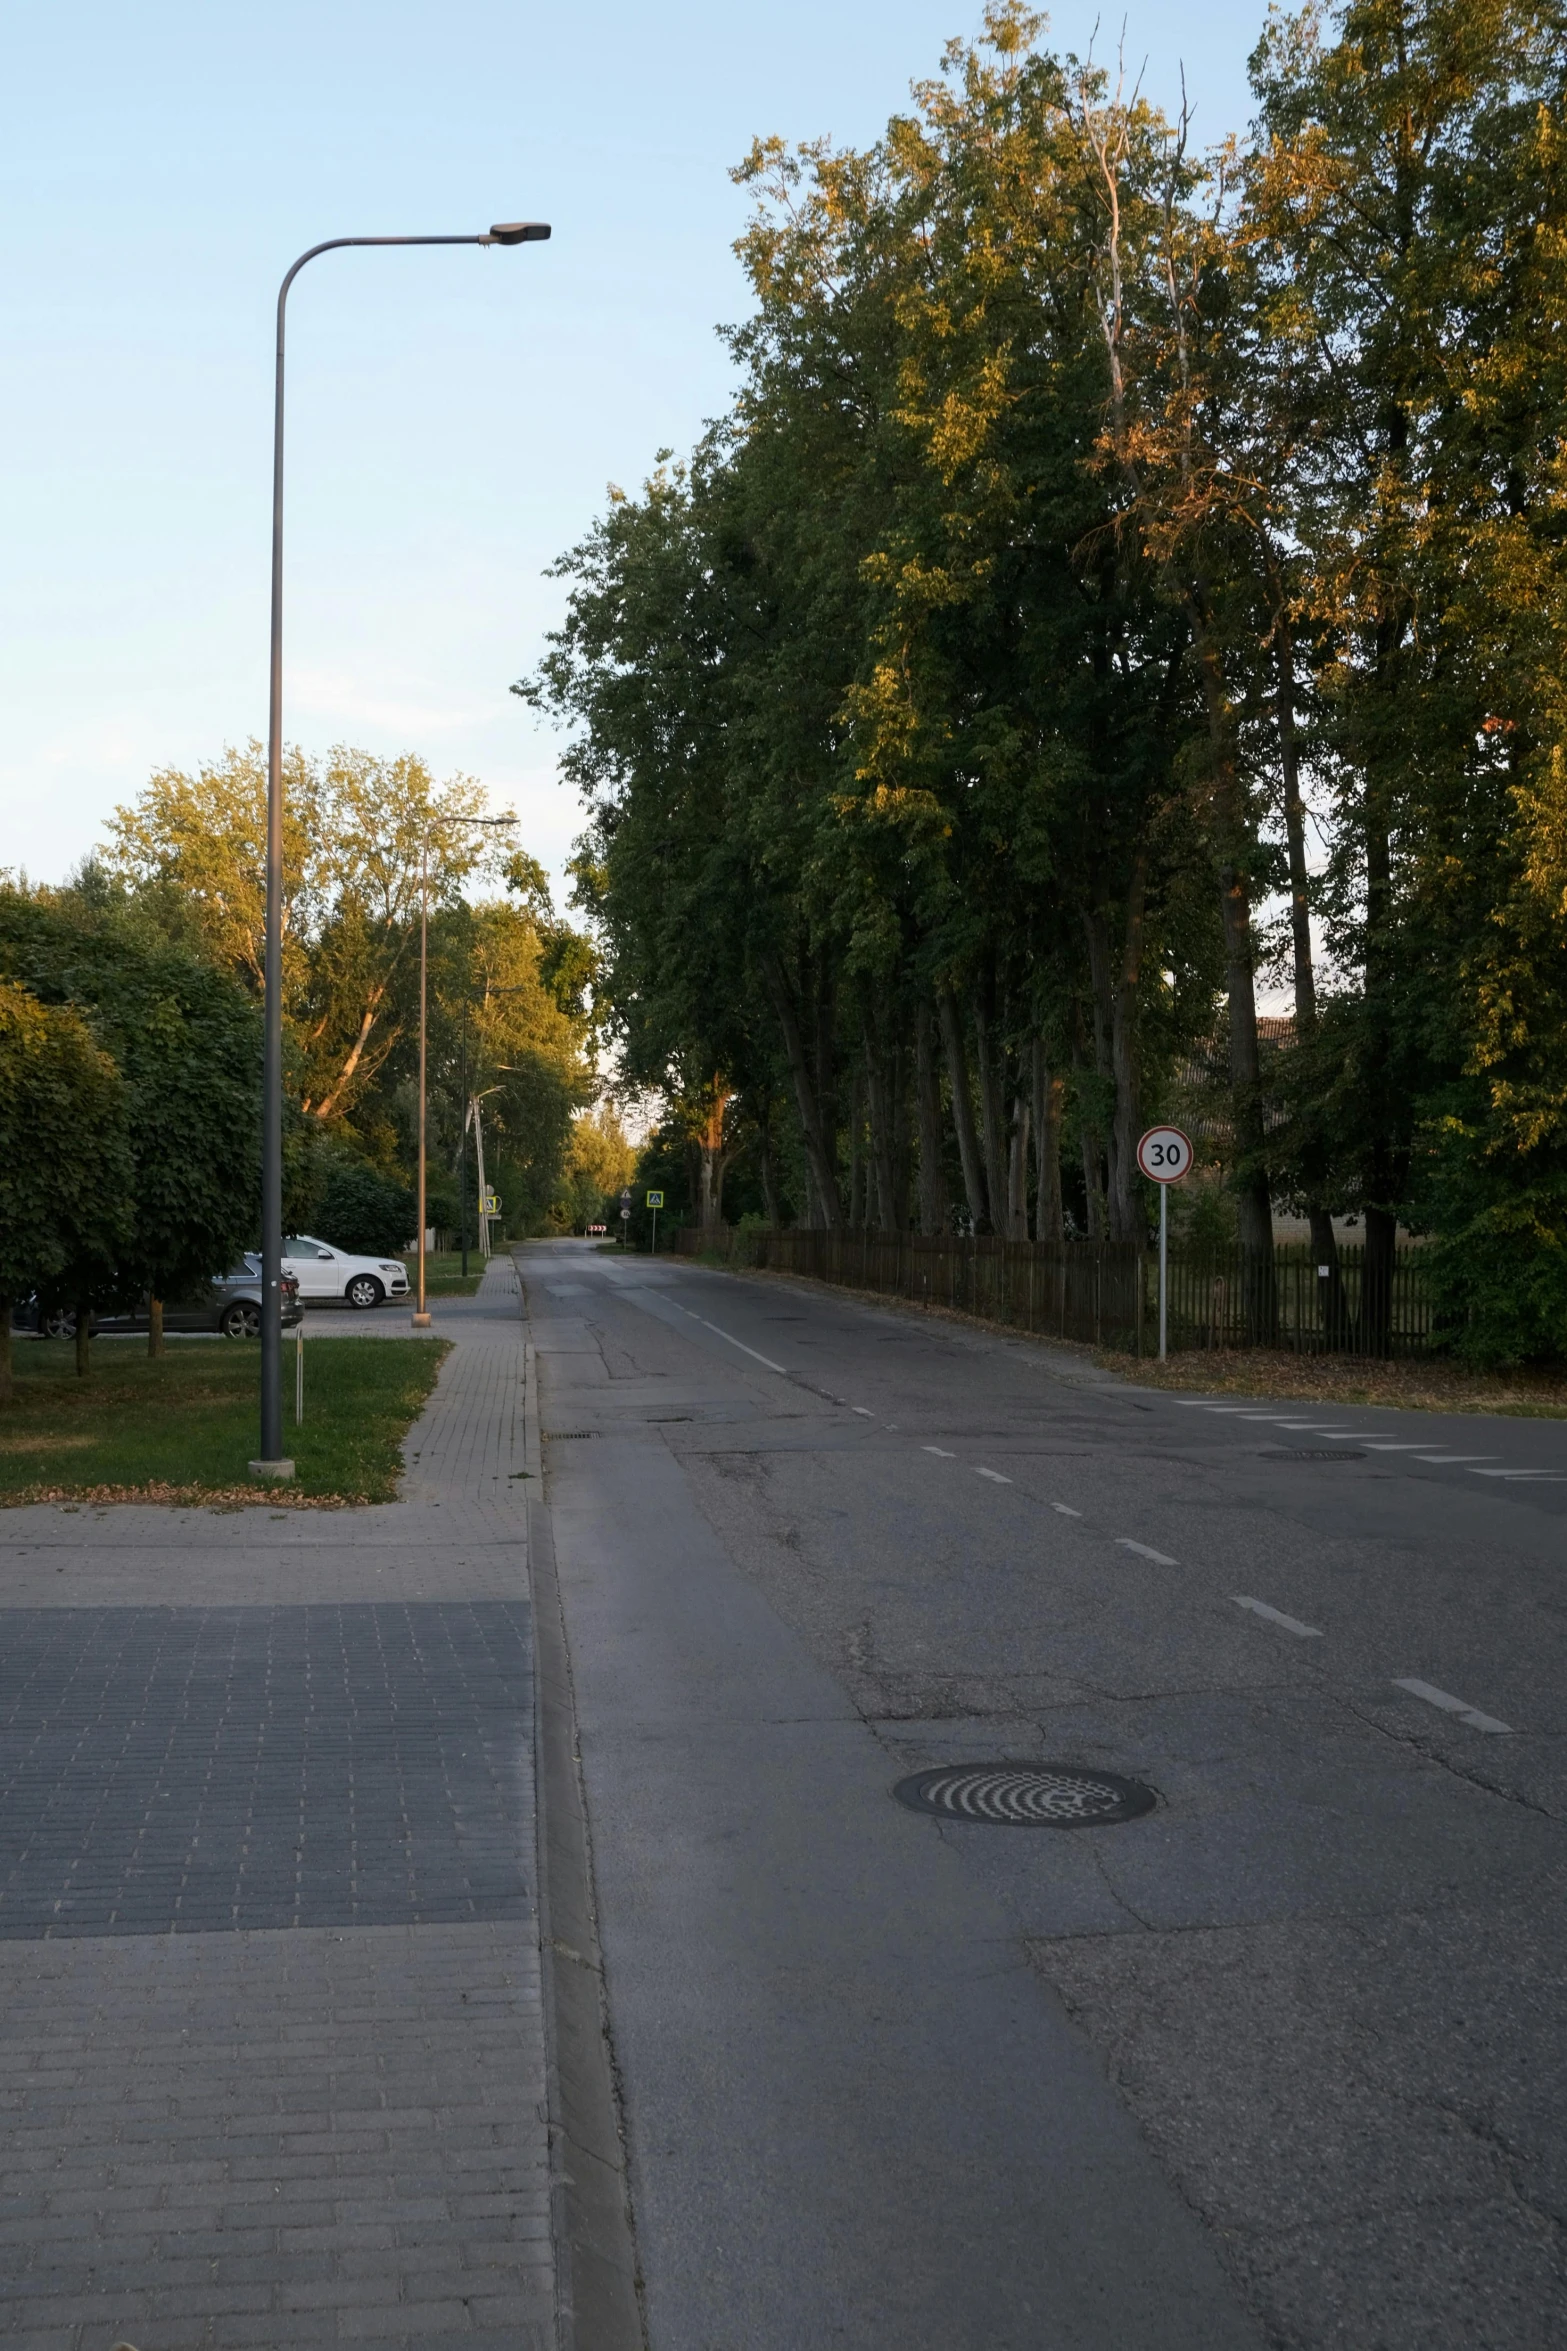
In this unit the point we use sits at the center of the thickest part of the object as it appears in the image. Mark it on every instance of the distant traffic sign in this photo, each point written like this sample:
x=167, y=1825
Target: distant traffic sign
x=625, y=1216
x=1165, y=1155
x=625, y=1197
x=655, y=1199
x=489, y=1204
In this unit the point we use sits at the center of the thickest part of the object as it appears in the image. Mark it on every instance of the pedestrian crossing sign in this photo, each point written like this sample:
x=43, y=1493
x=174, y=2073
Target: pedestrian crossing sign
x=655, y=1199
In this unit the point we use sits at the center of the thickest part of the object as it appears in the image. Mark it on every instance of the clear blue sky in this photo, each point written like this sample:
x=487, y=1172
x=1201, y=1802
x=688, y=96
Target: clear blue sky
x=454, y=417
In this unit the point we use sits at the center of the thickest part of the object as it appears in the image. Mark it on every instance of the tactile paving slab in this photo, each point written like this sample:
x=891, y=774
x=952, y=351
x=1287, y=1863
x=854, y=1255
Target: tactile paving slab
x=197, y=1770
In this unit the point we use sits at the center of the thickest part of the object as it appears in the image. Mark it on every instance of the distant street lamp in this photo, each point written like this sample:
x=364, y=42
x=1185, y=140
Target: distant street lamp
x=272, y=1462
x=489, y=824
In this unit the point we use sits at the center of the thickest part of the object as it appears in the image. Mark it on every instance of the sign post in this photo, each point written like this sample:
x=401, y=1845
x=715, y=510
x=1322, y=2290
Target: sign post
x=1164, y=1155
x=655, y=1201
x=625, y=1215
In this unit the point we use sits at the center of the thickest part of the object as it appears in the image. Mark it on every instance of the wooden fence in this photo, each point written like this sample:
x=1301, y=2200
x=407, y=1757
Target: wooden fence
x=1106, y=1294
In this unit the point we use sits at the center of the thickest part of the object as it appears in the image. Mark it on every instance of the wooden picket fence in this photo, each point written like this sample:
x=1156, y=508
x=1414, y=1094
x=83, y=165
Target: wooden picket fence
x=1106, y=1293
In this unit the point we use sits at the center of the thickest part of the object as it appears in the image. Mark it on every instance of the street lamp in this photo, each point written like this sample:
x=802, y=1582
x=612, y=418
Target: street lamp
x=483, y=823
x=272, y=1462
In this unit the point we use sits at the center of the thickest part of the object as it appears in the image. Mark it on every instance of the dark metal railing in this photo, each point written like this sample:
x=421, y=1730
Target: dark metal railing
x=1106, y=1293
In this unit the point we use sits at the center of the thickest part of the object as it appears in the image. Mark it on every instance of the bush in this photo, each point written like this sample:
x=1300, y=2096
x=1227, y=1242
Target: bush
x=365, y=1211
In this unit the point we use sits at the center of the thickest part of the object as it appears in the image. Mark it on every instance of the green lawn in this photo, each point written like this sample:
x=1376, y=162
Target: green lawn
x=443, y=1273
x=183, y=1428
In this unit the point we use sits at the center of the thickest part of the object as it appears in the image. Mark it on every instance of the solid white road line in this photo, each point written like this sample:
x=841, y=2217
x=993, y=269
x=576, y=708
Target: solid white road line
x=1066, y=1510
x=1291, y=1624
x=1451, y=1705
x=1159, y=1558
x=734, y=1342
x=994, y=1476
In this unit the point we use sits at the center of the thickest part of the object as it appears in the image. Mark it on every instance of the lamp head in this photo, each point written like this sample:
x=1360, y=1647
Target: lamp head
x=517, y=232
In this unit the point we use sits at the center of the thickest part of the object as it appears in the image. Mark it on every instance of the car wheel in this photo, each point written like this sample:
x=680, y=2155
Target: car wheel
x=61, y=1324
x=365, y=1290
x=242, y=1320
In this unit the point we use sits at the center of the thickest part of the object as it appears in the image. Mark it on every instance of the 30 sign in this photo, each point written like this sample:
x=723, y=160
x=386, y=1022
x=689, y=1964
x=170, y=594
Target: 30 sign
x=1165, y=1155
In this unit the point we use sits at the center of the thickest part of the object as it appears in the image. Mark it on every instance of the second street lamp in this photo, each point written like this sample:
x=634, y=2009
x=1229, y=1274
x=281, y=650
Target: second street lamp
x=272, y=1462
x=484, y=824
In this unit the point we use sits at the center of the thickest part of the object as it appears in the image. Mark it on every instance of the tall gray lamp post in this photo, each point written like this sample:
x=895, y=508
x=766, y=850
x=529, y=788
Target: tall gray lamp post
x=272, y=1462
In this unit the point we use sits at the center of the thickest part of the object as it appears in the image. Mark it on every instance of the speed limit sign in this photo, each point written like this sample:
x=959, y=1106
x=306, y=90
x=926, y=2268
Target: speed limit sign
x=1165, y=1155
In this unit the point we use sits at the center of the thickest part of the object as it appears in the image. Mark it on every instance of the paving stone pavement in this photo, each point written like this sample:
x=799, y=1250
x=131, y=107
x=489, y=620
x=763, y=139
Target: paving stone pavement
x=272, y=2061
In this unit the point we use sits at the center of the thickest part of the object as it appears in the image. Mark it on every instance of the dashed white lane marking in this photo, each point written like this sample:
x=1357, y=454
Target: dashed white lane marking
x=994, y=1476
x=1159, y=1558
x=1291, y=1624
x=940, y=1452
x=1226, y=1408
x=1442, y=1460
x=1380, y=1445
x=1551, y=1476
x=1451, y=1705
x=1066, y=1510
x=863, y=1410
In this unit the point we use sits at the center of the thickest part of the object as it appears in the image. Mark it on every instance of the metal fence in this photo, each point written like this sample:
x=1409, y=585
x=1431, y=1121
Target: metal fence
x=1080, y=1291
x=1106, y=1294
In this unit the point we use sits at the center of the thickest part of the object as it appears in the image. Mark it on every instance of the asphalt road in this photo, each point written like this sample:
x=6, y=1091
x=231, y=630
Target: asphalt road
x=1279, y=2062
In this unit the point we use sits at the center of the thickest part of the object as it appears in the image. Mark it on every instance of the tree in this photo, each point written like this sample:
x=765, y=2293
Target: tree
x=186, y=1040
x=363, y=838
x=63, y=1159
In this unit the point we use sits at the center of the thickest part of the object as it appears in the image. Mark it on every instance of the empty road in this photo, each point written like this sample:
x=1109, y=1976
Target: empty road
x=1278, y=2062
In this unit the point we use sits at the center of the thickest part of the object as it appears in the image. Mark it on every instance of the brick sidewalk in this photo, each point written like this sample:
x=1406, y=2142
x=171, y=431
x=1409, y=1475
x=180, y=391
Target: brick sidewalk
x=272, y=2066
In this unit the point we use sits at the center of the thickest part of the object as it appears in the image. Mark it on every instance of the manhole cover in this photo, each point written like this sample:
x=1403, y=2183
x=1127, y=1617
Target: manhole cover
x=1310, y=1453
x=565, y=1436
x=1026, y=1795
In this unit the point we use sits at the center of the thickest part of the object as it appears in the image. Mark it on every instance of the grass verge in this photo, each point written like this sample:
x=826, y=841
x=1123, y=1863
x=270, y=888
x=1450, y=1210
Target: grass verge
x=183, y=1427
x=1342, y=1379
x=443, y=1273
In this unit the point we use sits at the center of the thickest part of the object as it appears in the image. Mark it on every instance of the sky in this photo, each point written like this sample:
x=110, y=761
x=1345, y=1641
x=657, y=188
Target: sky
x=454, y=416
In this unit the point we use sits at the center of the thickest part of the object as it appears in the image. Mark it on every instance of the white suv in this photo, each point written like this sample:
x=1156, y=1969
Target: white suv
x=323, y=1272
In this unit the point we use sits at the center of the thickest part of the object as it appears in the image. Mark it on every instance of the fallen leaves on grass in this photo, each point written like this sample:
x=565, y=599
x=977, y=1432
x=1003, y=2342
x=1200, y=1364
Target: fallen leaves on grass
x=1347, y=1379
x=182, y=1497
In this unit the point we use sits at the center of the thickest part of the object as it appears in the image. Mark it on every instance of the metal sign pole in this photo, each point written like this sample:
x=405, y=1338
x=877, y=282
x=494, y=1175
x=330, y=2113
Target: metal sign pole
x=1164, y=1267
x=653, y=1252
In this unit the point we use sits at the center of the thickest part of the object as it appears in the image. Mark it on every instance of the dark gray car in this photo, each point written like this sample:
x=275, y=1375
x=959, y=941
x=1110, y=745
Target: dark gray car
x=230, y=1303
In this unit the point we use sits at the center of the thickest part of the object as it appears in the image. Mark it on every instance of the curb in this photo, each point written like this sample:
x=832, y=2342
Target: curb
x=597, y=2302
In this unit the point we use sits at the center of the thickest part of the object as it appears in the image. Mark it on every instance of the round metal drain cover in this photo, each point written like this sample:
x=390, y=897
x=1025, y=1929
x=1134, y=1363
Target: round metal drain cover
x=1026, y=1795
x=1310, y=1453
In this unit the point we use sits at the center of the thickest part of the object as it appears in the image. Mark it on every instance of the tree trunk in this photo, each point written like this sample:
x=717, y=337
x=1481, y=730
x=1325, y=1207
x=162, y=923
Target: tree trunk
x=881, y=1102
x=1329, y=1274
x=857, y=1216
x=819, y=1160
x=83, y=1342
x=1017, y=1172
x=766, y=1169
x=1093, y=1188
x=155, y=1326
x=992, y=1117
x=1232, y=829
x=1127, y=1222
x=927, y=1087
x=1047, y=1092
x=963, y=1111
x=1376, y=1285
x=7, y=1373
